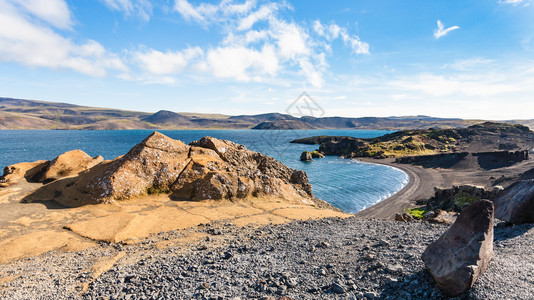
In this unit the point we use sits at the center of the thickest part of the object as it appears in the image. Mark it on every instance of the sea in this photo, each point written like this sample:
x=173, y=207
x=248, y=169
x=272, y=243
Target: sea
x=347, y=184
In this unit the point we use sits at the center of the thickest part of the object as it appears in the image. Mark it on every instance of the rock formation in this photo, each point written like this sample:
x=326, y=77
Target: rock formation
x=29, y=171
x=69, y=163
x=516, y=203
x=480, y=140
x=463, y=252
x=457, y=198
x=206, y=169
x=306, y=156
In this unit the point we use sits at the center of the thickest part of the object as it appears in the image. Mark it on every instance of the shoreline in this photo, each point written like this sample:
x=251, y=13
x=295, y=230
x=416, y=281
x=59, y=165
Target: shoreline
x=421, y=183
x=423, y=180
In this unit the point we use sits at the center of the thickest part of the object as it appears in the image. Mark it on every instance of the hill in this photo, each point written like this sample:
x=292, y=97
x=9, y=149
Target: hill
x=283, y=125
x=488, y=136
x=32, y=114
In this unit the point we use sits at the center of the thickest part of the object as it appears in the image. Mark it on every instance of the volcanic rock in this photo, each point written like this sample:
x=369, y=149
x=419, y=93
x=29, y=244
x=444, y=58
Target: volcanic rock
x=516, y=203
x=29, y=171
x=69, y=163
x=457, y=198
x=463, y=252
x=440, y=217
x=404, y=217
x=207, y=169
x=306, y=156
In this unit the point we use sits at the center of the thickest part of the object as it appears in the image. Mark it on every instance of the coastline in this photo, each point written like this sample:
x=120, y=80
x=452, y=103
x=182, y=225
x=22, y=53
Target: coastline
x=421, y=183
x=423, y=180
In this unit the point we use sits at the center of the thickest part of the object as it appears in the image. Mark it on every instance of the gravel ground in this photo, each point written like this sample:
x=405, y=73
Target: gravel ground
x=324, y=259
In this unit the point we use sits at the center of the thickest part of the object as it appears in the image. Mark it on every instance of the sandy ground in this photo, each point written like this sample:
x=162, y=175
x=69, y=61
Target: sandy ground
x=30, y=229
x=423, y=180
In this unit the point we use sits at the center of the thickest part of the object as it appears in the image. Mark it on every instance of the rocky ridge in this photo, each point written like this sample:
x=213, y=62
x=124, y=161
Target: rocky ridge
x=473, y=139
x=208, y=169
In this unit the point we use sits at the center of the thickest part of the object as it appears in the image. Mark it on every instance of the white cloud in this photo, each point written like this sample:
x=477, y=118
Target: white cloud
x=488, y=84
x=258, y=44
x=141, y=8
x=239, y=62
x=441, y=31
x=333, y=31
x=187, y=11
x=468, y=64
x=24, y=39
x=513, y=2
x=291, y=40
x=210, y=13
x=54, y=12
x=161, y=63
x=263, y=13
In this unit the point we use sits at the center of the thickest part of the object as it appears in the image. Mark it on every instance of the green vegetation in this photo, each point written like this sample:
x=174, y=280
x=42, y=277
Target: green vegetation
x=157, y=190
x=464, y=199
x=417, y=212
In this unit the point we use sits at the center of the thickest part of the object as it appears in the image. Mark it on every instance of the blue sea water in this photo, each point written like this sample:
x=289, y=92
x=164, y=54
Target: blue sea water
x=347, y=184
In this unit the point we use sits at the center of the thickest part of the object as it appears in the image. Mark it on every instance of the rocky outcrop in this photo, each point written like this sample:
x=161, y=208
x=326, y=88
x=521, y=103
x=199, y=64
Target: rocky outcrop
x=206, y=169
x=463, y=252
x=346, y=146
x=306, y=156
x=516, y=203
x=484, y=141
x=29, y=171
x=69, y=163
x=309, y=156
x=459, y=197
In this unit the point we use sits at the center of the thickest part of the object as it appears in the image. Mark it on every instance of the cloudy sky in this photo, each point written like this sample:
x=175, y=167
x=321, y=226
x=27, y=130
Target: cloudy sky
x=457, y=58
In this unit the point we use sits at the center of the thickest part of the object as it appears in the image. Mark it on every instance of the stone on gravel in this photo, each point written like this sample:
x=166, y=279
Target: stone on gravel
x=515, y=204
x=404, y=217
x=463, y=252
x=440, y=217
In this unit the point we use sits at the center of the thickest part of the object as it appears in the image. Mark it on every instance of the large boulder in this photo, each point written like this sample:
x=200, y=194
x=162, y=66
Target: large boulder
x=208, y=169
x=28, y=171
x=516, y=203
x=149, y=167
x=69, y=163
x=463, y=252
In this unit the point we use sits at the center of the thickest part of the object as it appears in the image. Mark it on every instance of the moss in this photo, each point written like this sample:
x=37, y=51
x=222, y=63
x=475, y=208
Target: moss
x=417, y=212
x=157, y=190
x=464, y=199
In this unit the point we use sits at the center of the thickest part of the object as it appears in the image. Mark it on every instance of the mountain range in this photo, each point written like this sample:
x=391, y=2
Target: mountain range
x=32, y=114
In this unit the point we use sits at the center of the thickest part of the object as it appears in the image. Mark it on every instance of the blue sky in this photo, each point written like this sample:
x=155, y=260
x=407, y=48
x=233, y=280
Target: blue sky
x=469, y=59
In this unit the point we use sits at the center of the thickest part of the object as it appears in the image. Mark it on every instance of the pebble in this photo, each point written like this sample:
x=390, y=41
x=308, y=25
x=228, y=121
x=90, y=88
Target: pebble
x=307, y=260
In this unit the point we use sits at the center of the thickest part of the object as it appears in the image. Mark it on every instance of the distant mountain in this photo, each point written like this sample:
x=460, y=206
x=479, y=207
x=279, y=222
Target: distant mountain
x=283, y=125
x=32, y=114
x=165, y=117
x=262, y=117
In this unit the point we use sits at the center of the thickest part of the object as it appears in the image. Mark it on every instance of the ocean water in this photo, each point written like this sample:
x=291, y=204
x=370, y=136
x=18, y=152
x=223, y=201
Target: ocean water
x=347, y=184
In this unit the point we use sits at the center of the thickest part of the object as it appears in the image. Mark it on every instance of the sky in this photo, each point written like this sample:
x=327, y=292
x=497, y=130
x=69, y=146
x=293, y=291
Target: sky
x=355, y=58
